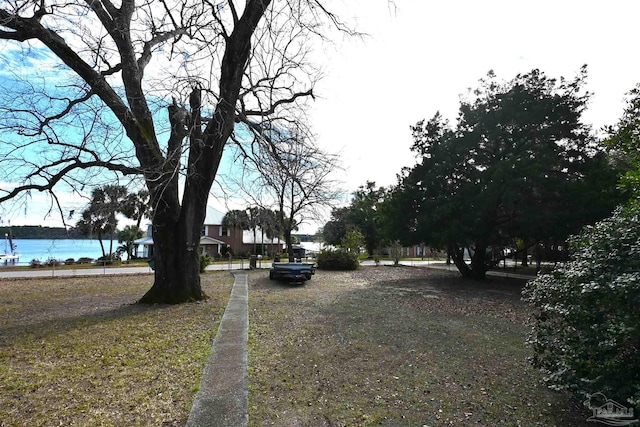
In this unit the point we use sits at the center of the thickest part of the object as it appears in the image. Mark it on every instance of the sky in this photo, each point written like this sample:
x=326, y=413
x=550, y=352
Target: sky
x=422, y=56
x=418, y=58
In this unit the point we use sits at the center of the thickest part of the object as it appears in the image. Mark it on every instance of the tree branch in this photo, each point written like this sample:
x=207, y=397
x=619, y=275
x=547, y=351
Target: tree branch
x=275, y=105
x=159, y=38
x=54, y=179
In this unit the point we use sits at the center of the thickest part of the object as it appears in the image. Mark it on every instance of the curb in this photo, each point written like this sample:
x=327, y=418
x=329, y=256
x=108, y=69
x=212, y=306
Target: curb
x=222, y=400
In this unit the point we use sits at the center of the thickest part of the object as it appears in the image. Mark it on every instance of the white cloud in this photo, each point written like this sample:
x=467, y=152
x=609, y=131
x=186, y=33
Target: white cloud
x=38, y=208
x=420, y=60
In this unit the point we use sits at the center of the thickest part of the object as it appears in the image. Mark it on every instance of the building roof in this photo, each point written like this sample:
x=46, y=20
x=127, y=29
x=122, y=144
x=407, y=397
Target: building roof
x=204, y=240
x=312, y=247
x=213, y=217
x=144, y=241
x=247, y=238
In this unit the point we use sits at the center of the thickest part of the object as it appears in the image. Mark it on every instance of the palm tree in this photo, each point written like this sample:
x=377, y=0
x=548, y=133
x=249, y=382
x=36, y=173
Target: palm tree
x=92, y=224
x=270, y=226
x=112, y=201
x=254, y=219
x=100, y=215
x=127, y=236
x=236, y=219
x=136, y=206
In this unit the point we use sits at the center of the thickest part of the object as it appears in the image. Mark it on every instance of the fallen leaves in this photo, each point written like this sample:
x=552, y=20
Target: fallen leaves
x=393, y=346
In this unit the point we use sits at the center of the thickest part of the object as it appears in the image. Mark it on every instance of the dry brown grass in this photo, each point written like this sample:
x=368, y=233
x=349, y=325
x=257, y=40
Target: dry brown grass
x=395, y=347
x=77, y=352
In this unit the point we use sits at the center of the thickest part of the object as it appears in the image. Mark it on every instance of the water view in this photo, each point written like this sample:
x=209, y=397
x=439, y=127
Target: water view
x=60, y=249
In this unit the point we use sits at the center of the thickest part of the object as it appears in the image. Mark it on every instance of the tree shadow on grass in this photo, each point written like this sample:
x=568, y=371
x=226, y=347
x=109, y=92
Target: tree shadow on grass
x=63, y=323
x=264, y=283
x=474, y=332
x=405, y=347
x=453, y=283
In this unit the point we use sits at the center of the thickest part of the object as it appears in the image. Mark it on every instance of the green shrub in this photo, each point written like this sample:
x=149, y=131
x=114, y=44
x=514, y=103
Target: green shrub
x=52, y=262
x=109, y=259
x=105, y=262
x=586, y=328
x=205, y=260
x=338, y=260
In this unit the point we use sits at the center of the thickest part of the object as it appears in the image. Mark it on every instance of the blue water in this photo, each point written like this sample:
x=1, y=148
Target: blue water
x=60, y=249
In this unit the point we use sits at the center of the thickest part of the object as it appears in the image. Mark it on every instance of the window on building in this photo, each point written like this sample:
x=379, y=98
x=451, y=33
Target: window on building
x=224, y=231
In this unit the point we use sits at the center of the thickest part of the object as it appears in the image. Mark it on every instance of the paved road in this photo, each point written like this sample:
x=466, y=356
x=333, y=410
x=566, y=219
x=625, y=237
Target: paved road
x=99, y=271
x=41, y=272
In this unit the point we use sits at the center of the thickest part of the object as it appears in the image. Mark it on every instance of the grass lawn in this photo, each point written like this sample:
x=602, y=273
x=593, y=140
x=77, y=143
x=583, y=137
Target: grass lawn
x=77, y=352
x=395, y=346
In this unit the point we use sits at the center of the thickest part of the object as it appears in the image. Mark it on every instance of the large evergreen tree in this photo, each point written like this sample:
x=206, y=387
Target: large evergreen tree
x=624, y=144
x=514, y=166
x=338, y=225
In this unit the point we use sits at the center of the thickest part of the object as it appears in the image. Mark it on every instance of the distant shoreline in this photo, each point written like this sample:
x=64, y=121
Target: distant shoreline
x=60, y=249
x=39, y=232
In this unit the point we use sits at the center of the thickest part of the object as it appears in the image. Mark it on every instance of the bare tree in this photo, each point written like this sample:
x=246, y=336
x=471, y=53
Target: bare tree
x=292, y=174
x=151, y=89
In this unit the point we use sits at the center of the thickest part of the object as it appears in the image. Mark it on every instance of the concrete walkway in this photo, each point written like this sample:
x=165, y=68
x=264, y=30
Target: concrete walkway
x=223, y=395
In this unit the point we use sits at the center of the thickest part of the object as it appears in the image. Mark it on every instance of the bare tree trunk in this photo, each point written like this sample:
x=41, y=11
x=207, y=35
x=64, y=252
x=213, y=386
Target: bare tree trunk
x=456, y=254
x=200, y=143
x=101, y=245
x=479, y=262
x=287, y=240
x=255, y=245
x=525, y=260
x=279, y=246
x=177, y=261
x=478, y=268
